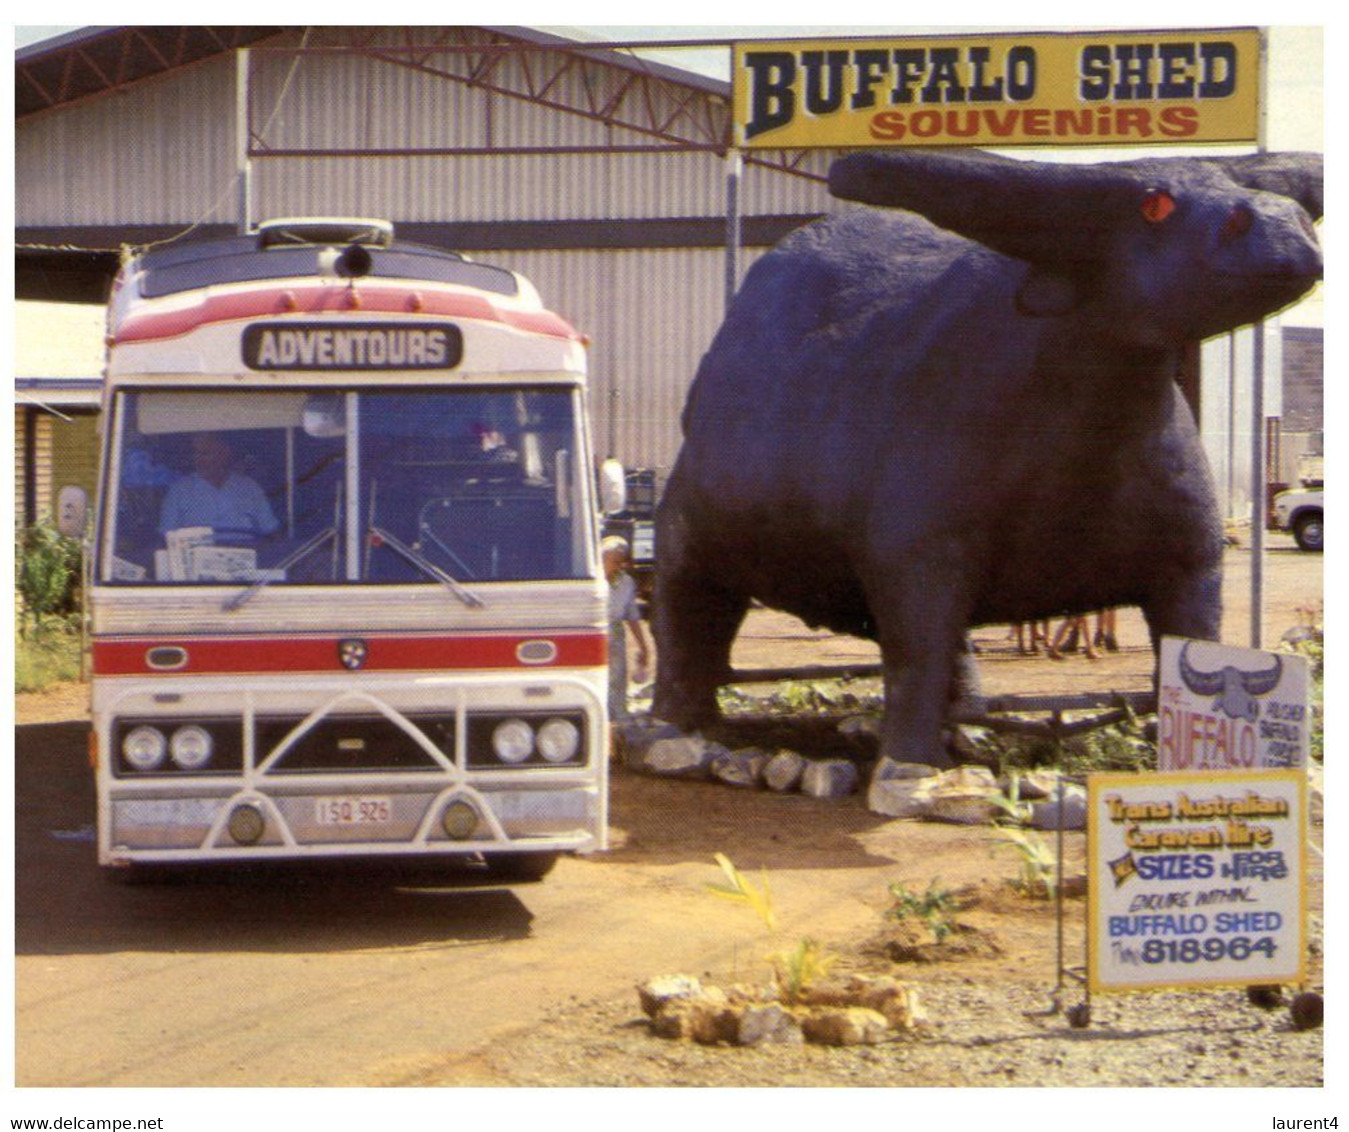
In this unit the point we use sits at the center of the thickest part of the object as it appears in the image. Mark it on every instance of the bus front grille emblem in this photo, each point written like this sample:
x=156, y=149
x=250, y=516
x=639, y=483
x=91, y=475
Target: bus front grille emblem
x=351, y=653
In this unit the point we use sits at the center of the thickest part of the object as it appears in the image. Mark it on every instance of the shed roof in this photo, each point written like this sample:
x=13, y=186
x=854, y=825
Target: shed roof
x=58, y=352
x=98, y=60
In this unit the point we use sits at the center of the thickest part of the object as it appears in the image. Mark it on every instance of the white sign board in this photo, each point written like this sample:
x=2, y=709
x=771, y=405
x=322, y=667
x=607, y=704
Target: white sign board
x=1196, y=879
x=1225, y=708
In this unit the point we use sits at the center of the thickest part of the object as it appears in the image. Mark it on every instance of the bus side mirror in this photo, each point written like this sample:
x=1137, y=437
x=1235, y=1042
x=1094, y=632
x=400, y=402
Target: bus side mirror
x=613, y=487
x=72, y=511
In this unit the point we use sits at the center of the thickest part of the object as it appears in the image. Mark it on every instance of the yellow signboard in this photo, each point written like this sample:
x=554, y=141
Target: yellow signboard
x=1079, y=89
x=1196, y=879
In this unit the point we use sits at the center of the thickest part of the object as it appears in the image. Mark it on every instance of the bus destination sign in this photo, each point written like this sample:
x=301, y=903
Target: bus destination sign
x=289, y=346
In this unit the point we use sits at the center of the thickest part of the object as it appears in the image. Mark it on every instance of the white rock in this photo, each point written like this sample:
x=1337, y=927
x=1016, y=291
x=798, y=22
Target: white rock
x=783, y=771
x=889, y=768
x=856, y=725
x=830, y=778
x=965, y=795
x=1045, y=815
x=1032, y=785
x=900, y=797
x=845, y=1026
x=744, y=767
x=657, y=991
x=636, y=736
x=687, y=757
x=766, y=1024
x=971, y=742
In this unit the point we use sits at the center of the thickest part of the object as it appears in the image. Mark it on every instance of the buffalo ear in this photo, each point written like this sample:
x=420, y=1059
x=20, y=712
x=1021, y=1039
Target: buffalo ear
x=1047, y=294
x=1300, y=176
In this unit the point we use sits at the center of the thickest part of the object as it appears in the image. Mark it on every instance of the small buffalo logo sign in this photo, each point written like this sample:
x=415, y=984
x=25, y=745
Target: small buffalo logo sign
x=352, y=653
x=1234, y=689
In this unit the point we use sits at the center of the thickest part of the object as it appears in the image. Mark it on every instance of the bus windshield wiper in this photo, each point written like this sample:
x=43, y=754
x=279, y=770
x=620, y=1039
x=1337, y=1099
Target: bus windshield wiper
x=418, y=559
x=304, y=550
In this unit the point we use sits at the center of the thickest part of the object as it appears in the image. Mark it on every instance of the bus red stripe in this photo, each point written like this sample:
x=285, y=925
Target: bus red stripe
x=206, y=655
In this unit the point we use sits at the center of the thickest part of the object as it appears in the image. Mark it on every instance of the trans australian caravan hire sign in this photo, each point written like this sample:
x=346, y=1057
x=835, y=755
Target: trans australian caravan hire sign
x=1080, y=89
x=1196, y=879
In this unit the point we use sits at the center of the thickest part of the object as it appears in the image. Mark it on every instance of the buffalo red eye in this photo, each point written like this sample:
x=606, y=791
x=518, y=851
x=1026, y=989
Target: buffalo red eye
x=1237, y=224
x=1157, y=206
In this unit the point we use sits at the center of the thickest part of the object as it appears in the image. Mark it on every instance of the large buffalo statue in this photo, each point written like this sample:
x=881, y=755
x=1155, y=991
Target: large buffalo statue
x=961, y=409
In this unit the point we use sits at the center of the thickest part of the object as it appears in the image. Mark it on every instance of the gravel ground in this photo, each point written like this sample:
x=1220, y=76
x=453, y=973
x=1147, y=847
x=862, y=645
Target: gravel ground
x=981, y=1035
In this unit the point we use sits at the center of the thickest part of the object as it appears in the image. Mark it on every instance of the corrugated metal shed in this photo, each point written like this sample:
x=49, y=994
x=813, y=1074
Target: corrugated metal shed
x=625, y=244
x=624, y=241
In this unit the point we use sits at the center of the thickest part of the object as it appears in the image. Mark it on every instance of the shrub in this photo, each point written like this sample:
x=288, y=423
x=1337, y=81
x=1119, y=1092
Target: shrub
x=48, y=568
x=935, y=907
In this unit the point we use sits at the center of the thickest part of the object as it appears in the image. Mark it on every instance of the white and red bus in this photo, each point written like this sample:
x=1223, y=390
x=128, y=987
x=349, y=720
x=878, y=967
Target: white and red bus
x=346, y=598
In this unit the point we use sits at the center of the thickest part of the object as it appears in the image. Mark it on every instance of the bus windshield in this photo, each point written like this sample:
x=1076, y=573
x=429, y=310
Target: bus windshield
x=345, y=486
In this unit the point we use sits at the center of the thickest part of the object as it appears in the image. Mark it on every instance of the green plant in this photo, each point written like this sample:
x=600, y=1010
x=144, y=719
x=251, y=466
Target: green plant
x=797, y=696
x=1036, y=858
x=935, y=907
x=47, y=575
x=1010, y=803
x=742, y=890
x=50, y=659
x=794, y=968
x=1120, y=746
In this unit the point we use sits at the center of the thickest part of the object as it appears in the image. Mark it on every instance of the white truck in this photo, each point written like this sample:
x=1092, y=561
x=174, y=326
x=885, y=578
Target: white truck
x=1301, y=509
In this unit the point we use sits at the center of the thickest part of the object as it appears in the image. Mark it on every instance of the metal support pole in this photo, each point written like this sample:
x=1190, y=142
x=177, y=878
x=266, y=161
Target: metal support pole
x=735, y=167
x=1258, y=488
x=1230, y=511
x=243, y=165
x=1059, y=910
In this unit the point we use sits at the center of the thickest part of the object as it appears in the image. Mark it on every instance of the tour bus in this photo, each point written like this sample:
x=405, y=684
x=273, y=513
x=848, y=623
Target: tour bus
x=345, y=593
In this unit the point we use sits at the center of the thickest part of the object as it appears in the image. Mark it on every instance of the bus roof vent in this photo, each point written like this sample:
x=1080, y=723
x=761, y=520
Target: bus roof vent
x=325, y=231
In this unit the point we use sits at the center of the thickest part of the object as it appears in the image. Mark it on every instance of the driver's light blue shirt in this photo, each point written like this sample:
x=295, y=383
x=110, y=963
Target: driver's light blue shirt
x=238, y=504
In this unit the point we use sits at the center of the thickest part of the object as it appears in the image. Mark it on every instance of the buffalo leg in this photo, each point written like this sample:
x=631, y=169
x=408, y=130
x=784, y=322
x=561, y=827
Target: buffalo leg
x=967, y=689
x=695, y=623
x=922, y=637
x=1191, y=607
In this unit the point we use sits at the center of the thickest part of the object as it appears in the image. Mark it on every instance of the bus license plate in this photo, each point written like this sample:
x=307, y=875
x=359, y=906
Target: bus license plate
x=357, y=810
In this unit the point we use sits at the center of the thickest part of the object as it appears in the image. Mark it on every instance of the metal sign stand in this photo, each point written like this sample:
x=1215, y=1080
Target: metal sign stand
x=1079, y=1015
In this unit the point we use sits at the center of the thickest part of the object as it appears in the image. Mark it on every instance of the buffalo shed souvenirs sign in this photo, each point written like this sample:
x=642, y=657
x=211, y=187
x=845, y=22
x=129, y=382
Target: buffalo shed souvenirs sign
x=1221, y=707
x=1196, y=879
x=1098, y=88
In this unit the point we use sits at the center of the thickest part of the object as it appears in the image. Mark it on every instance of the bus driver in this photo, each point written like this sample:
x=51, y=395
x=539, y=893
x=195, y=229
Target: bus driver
x=215, y=495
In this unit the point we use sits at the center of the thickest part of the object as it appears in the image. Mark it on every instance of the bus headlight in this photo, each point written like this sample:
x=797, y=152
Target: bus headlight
x=513, y=741
x=191, y=747
x=144, y=748
x=559, y=740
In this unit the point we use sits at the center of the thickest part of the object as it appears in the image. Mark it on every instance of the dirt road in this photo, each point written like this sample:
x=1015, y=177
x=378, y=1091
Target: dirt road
x=318, y=981
x=362, y=979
